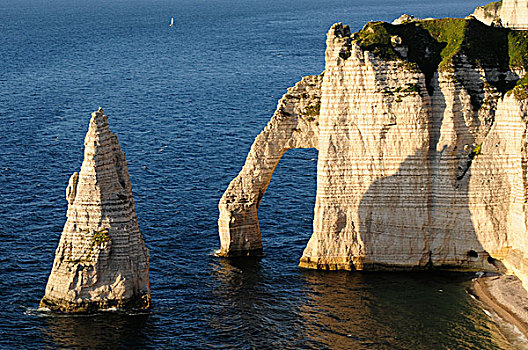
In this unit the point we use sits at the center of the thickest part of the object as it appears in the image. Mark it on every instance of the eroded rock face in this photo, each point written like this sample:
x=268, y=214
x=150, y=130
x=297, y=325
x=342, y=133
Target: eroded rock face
x=514, y=14
x=295, y=124
x=395, y=164
x=101, y=261
x=506, y=13
x=415, y=170
x=489, y=14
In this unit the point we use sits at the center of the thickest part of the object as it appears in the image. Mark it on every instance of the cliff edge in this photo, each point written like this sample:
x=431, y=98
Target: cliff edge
x=101, y=261
x=421, y=130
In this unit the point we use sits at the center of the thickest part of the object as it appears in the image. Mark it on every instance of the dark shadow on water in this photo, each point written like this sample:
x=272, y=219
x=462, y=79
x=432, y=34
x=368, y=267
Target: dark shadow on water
x=255, y=309
x=239, y=283
x=420, y=310
x=100, y=331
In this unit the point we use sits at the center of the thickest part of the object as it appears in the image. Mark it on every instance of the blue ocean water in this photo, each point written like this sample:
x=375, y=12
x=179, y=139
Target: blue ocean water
x=186, y=103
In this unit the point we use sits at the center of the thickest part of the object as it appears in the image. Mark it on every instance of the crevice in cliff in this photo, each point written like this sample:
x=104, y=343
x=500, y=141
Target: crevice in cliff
x=474, y=153
x=485, y=117
x=429, y=264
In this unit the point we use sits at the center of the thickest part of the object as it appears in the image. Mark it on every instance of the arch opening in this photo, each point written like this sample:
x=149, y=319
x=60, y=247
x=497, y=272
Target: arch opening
x=295, y=124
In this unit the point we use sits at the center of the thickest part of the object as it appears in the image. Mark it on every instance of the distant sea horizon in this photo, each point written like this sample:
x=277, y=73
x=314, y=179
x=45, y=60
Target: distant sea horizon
x=186, y=102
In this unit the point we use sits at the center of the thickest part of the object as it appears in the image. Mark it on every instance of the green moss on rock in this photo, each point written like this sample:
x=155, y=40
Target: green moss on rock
x=520, y=91
x=99, y=237
x=476, y=151
x=313, y=110
x=518, y=48
x=408, y=89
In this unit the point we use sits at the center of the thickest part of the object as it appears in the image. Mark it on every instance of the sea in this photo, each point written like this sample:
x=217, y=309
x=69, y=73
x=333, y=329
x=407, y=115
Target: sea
x=186, y=103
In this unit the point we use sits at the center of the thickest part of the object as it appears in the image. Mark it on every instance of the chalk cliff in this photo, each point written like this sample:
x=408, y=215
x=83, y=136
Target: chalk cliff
x=507, y=13
x=422, y=140
x=101, y=261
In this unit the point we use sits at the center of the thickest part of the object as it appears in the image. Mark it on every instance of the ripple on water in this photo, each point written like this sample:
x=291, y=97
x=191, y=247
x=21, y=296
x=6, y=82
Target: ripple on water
x=186, y=103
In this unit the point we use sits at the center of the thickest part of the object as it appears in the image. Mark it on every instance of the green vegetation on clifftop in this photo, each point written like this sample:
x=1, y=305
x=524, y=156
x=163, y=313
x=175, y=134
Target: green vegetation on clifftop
x=437, y=44
x=520, y=91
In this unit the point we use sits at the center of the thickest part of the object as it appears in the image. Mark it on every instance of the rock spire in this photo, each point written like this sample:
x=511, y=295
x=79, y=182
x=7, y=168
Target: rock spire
x=101, y=261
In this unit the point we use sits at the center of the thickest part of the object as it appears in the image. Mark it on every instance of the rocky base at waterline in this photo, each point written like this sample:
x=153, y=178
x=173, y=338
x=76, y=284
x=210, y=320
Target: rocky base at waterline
x=505, y=296
x=421, y=130
x=101, y=261
x=140, y=302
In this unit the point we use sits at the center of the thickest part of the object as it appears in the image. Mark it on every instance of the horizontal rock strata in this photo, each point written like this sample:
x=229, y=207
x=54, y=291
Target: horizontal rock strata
x=422, y=152
x=101, y=261
x=294, y=125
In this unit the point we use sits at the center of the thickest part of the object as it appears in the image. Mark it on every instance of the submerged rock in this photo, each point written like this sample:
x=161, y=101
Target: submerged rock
x=101, y=261
x=422, y=156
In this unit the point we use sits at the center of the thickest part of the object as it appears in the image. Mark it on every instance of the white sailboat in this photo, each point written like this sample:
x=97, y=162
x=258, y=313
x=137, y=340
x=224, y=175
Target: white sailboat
x=172, y=22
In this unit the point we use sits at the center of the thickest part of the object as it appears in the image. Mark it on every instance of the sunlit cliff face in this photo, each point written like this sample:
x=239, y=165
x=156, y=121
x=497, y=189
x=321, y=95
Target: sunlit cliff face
x=420, y=134
x=101, y=261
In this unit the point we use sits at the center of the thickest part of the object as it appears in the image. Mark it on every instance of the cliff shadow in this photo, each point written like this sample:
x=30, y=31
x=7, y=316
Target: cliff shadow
x=391, y=310
x=420, y=218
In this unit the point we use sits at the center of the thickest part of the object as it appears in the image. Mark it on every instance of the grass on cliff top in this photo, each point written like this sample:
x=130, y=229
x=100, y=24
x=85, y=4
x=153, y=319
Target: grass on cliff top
x=520, y=91
x=436, y=44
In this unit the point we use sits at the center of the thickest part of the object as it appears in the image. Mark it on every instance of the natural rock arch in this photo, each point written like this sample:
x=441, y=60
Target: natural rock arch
x=414, y=170
x=295, y=124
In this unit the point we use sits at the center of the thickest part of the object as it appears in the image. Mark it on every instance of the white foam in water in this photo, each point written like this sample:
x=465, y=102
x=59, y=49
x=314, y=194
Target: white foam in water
x=111, y=309
x=510, y=331
x=33, y=311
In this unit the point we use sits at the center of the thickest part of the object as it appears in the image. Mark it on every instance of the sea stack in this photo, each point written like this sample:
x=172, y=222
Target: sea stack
x=101, y=261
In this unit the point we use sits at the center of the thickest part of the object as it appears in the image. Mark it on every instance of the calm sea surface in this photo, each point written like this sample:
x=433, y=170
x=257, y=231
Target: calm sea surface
x=186, y=103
